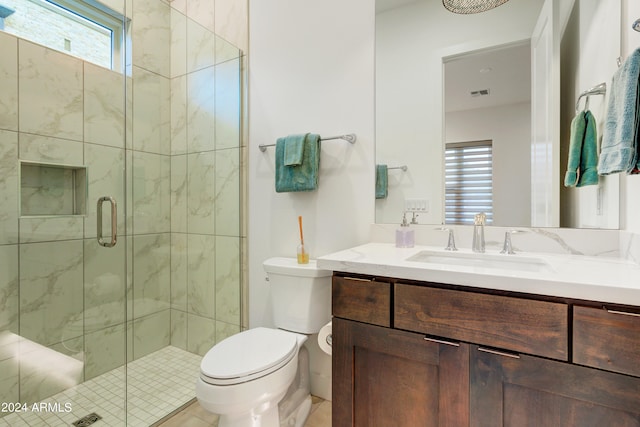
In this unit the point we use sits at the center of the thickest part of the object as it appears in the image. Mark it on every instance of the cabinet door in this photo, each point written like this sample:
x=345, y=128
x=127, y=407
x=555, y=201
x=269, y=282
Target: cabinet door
x=527, y=391
x=385, y=377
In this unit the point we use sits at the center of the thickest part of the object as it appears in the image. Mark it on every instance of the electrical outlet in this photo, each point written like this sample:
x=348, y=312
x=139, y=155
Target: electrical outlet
x=416, y=205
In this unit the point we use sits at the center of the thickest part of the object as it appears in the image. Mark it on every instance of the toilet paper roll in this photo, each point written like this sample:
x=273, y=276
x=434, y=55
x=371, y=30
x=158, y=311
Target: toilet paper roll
x=324, y=338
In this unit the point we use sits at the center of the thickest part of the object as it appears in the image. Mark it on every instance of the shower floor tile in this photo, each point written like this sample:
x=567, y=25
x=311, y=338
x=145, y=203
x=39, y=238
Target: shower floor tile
x=157, y=384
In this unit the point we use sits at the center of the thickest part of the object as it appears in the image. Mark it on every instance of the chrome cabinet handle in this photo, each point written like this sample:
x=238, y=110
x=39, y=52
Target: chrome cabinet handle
x=357, y=279
x=498, y=353
x=624, y=313
x=438, y=341
x=114, y=222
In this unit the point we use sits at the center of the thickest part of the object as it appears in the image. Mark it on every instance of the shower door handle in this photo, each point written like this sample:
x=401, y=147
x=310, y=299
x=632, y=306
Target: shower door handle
x=114, y=222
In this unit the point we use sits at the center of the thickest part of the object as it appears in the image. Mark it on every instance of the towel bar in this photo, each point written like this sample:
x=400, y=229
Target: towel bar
x=351, y=137
x=600, y=89
x=403, y=167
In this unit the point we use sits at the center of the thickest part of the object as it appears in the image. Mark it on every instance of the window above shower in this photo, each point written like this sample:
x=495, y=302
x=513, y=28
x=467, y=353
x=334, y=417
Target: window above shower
x=85, y=29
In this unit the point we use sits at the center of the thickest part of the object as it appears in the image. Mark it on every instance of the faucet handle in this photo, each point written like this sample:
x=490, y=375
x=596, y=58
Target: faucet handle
x=414, y=218
x=451, y=242
x=480, y=219
x=507, y=247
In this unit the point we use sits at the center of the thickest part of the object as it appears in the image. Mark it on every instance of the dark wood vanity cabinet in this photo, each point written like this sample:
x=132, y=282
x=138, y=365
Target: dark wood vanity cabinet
x=387, y=377
x=425, y=354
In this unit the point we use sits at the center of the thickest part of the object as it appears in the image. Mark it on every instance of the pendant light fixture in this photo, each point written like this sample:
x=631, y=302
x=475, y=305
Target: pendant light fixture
x=471, y=6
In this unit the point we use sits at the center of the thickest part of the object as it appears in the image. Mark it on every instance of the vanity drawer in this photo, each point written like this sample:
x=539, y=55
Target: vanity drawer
x=517, y=324
x=362, y=300
x=606, y=339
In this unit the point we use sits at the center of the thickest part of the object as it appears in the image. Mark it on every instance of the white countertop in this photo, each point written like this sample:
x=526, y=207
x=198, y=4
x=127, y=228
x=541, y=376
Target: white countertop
x=607, y=280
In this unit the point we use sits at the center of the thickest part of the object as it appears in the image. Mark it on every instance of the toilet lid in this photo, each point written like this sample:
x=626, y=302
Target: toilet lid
x=248, y=355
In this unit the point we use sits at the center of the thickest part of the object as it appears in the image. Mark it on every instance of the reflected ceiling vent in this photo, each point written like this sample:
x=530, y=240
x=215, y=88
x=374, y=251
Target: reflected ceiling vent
x=481, y=92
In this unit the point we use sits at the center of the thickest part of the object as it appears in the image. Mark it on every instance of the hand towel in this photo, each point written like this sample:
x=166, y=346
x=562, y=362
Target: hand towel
x=589, y=154
x=382, y=181
x=619, y=140
x=303, y=177
x=578, y=127
x=583, y=152
x=635, y=168
x=294, y=149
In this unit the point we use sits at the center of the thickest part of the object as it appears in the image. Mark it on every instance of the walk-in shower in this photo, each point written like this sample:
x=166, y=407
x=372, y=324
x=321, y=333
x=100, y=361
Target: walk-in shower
x=120, y=209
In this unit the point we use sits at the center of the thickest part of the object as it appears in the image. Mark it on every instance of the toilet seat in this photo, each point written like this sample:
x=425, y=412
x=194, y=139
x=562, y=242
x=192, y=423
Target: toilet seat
x=247, y=356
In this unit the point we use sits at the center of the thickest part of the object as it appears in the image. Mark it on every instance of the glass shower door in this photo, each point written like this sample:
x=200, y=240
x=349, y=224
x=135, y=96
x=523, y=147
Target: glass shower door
x=150, y=147
x=63, y=328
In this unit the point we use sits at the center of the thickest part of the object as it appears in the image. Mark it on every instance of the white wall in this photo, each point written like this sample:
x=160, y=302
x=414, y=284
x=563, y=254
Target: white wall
x=511, y=155
x=310, y=70
x=630, y=185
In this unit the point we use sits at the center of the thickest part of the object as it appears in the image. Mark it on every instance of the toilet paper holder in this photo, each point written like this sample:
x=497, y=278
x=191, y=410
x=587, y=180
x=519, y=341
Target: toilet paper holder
x=325, y=338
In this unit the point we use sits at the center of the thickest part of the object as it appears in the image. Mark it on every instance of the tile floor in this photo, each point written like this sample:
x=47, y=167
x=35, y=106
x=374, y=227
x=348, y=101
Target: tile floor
x=194, y=416
x=157, y=384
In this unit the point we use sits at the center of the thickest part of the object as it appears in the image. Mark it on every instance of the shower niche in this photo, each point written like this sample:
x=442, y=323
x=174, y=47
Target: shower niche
x=48, y=189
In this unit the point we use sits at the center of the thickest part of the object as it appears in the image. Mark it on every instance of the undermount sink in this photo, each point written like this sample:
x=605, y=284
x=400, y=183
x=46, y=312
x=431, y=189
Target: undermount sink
x=497, y=261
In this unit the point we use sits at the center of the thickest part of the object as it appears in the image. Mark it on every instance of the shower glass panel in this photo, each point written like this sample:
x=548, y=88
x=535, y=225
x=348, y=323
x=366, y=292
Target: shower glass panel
x=90, y=329
x=184, y=182
x=63, y=296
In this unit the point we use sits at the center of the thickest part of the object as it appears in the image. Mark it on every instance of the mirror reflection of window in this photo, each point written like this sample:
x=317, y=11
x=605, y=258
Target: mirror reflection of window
x=468, y=181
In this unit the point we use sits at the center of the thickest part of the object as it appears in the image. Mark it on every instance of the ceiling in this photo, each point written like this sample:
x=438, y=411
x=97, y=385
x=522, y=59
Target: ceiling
x=505, y=73
x=384, y=5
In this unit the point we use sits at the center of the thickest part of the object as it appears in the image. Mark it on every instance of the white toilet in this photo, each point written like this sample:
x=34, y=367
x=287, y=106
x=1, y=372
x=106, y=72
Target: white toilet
x=260, y=377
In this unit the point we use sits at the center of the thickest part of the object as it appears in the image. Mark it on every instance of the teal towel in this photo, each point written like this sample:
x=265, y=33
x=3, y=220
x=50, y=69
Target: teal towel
x=578, y=127
x=583, y=152
x=303, y=177
x=382, y=181
x=619, y=139
x=589, y=155
x=294, y=149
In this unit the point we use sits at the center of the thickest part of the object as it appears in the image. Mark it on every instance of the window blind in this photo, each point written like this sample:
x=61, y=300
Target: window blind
x=468, y=181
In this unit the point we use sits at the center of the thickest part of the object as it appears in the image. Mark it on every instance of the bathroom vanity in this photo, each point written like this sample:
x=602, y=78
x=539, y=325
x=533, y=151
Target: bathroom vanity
x=540, y=342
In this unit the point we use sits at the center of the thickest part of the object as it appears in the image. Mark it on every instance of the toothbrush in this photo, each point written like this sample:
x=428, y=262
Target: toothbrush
x=301, y=236
x=303, y=258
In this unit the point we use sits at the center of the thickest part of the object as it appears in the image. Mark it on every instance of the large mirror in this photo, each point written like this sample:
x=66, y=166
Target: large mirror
x=503, y=85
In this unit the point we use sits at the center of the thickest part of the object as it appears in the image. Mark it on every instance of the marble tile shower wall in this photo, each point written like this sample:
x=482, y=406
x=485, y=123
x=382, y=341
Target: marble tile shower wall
x=181, y=146
x=205, y=179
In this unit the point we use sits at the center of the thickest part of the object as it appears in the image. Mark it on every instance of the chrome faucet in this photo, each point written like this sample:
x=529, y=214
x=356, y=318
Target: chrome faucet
x=478, y=232
x=451, y=243
x=507, y=247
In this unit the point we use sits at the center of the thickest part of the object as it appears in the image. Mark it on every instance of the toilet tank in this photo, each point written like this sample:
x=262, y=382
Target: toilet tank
x=300, y=294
